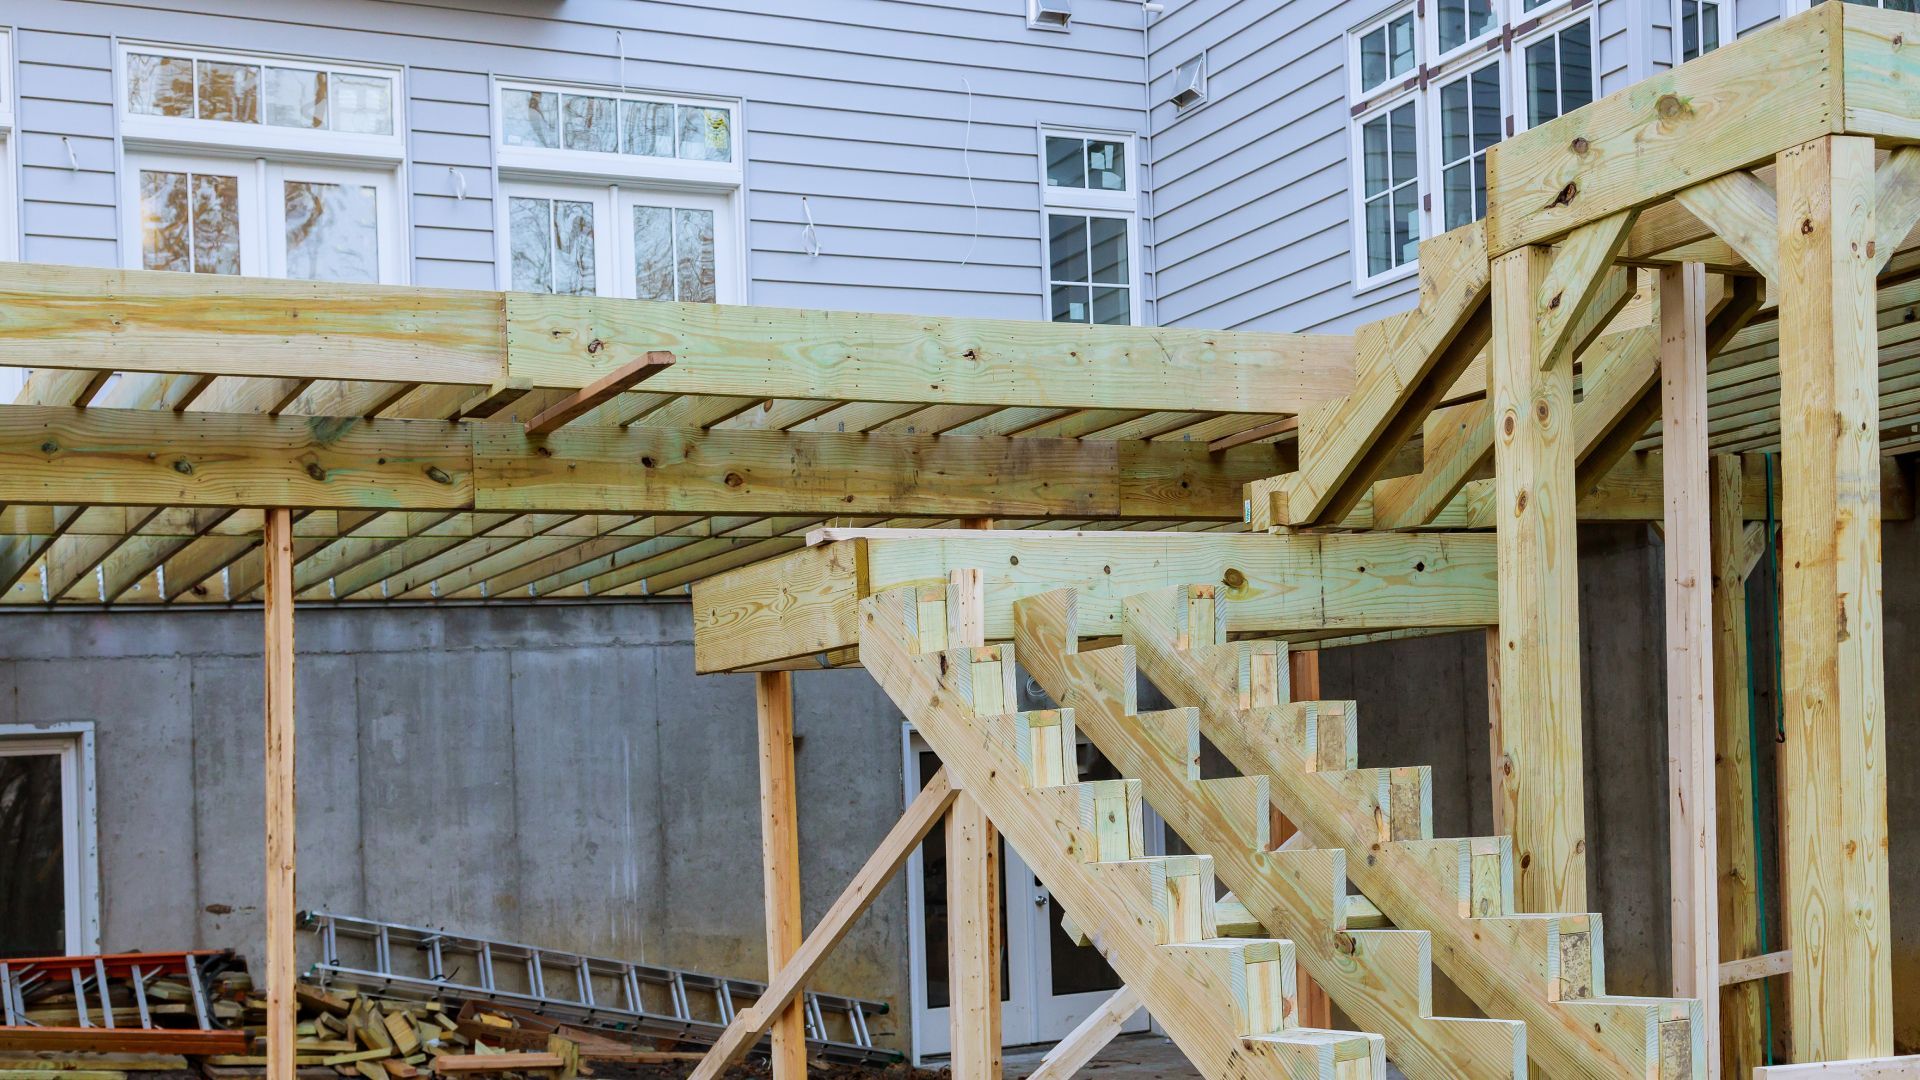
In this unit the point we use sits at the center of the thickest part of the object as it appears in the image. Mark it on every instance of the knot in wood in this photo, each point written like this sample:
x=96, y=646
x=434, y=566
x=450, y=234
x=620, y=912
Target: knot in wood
x=1806, y=226
x=183, y=467
x=1579, y=145
x=1541, y=411
x=734, y=480
x=1565, y=197
x=1520, y=504
x=1506, y=423
x=438, y=475
x=1233, y=578
x=314, y=470
x=595, y=346
x=49, y=447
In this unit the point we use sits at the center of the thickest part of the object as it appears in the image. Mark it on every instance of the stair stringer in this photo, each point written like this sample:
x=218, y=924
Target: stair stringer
x=1381, y=978
x=1542, y=969
x=1226, y=1003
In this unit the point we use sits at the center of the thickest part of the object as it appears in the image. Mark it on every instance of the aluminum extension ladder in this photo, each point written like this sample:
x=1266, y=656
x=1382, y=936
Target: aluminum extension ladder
x=588, y=991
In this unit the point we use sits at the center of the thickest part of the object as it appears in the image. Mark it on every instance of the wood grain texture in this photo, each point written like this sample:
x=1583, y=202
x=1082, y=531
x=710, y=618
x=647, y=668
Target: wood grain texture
x=1835, y=842
x=279, y=973
x=1741, y=210
x=780, y=858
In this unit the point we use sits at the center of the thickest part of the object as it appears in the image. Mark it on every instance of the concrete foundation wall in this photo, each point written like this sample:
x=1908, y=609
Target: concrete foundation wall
x=557, y=776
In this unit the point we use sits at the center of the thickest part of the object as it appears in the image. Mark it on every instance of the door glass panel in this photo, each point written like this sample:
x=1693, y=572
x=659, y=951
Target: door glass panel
x=933, y=876
x=166, y=236
x=532, y=256
x=693, y=237
x=333, y=232
x=653, y=252
x=33, y=891
x=216, y=224
x=573, y=272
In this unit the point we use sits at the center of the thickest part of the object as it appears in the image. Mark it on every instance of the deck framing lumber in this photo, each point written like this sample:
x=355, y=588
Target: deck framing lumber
x=1742, y=1023
x=780, y=859
x=279, y=973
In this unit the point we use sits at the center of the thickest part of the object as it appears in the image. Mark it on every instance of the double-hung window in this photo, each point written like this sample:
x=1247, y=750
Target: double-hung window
x=1432, y=86
x=1701, y=26
x=615, y=193
x=1090, y=205
x=267, y=166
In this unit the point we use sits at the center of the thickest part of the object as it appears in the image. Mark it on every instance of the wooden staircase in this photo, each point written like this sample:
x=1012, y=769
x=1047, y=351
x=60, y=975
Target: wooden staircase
x=1227, y=1002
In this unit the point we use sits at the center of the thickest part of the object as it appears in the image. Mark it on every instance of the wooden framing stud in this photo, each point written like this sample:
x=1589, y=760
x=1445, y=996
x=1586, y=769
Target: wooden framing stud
x=277, y=553
x=603, y=389
x=780, y=859
x=1742, y=1019
x=1835, y=792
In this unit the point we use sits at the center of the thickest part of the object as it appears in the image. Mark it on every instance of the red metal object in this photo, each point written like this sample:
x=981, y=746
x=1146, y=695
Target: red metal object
x=92, y=980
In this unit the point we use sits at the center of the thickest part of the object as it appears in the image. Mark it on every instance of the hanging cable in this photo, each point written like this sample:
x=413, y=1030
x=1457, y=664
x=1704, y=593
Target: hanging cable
x=809, y=234
x=966, y=163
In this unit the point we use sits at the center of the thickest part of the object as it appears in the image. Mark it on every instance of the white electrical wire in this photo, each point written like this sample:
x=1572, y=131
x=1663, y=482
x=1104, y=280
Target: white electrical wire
x=810, y=233
x=966, y=162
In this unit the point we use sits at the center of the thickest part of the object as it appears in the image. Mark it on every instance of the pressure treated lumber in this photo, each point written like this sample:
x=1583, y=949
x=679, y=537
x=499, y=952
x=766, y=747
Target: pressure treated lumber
x=1693, y=859
x=1535, y=524
x=925, y=812
x=974, y=887
x=1742, y=1021
x=1381, y=978
x=1088, y=1038
x=1886, y=1068
x=1832, y=637
x=1544, y=969
x=1227, y=1003
x=596, y=393
x=279, y=969
x=780, y=858
x=1741, y=210
x=805, y=603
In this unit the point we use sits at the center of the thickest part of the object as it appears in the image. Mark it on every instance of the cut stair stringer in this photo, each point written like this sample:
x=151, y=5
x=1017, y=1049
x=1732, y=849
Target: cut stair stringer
x=1543, y=969
x=1228, y=1003
x=1381, y=978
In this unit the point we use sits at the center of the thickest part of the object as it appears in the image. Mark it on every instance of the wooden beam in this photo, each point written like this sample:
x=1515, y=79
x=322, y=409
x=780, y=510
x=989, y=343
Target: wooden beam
x=1692, y=854
x=1896, y=190
x=1539, y=596
x=807, y=602
x=926, y=810
x=588, y=397
x=1742, y=1020
x=780, y=859
x=1072, y=1053
x=1755, y=968
x=1741, y=210
x=1835, y=842
x=973, y=878
x=1577, y=274
x=1883, y=1068
x=279, y=976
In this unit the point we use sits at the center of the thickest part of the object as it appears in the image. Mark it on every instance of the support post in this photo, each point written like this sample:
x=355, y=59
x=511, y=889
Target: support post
x=1742, y=1021
x=1831, y=635
x=1315, y=1008
x=277, y=593
x=780, y=859
x=1694, y=864
x=1496, y=741
x=1539, y=596
x=973, y=886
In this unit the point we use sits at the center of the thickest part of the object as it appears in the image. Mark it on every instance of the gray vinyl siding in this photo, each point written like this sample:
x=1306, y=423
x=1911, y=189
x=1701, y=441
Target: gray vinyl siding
x=64, y=102
x=1252, y=209
x=859, y=106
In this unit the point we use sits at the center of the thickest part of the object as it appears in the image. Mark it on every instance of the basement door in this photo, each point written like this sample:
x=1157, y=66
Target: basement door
x=48, y=896
x=1047, y=983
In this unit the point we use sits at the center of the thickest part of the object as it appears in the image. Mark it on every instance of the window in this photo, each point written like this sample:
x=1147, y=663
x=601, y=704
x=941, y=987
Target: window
x=1090, y=208
x=261, y=166
x=619, y=194
x=49, y=897
x=1700, y=27
x=1431, y=88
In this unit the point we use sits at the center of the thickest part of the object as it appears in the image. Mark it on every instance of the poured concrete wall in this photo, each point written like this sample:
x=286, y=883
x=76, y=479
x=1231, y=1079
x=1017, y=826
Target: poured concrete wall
x=557, y=776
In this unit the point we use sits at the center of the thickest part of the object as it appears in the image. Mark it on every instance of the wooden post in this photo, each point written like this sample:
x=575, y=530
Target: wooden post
x=1692, y=896
x=1742, y=1021
x=1303, y=675
x=1496, y=742
x=277, y=592
x=973, y=887
x=1539, y=596
x=1835, y=844
x=780, y=859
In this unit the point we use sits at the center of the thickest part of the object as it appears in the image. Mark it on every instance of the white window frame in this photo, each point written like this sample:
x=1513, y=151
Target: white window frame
x=1356, y=150
x=1090, y=202
x=1434, y=149
x=1517, y=70
x=1429, y=35
x=597, y=165
x=1724, y=19
x=1395, y=85
x=182, y=132
x=73, y=742
x=613, y=253
x=263, y=235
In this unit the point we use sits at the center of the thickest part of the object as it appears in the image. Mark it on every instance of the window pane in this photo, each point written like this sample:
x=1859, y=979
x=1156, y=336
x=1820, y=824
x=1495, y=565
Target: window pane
x=1456, y=121
x=1463, y=20
x=1486, y=106
x=363, y=104
x=646, y=128
x=587, y=123
x=1070, y=303
x=33, y=891
x=1110, y=307
x=1400, y=45
x=1106, y=165
x=1576, y=66
x=159, y=85
x=653, y=264
x=1379, y=235
x=706, y=134
x=1406, y=147
x=166, y=240
x=530, y=226
x=1543, y=96
x=216, y=224
x=229, y=92
x=1406, y=224
x=1066, y=162
x=1373, y=139
x=1373, y=59
x=1457, y=194
x=1710, y=24
x=296, y=98
x=1109, y=249
x=693, y=244
x=333, y=232
x=530, y=117
x=1068, y=247
x=1480, y=186
x=573, y=270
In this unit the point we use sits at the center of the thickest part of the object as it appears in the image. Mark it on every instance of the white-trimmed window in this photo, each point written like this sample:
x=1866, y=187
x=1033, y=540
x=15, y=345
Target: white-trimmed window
x=1431, y=87
x=1090, y=208
x=50, y=900
x=265, y=166
x=1701, y=26
x=619, y=194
